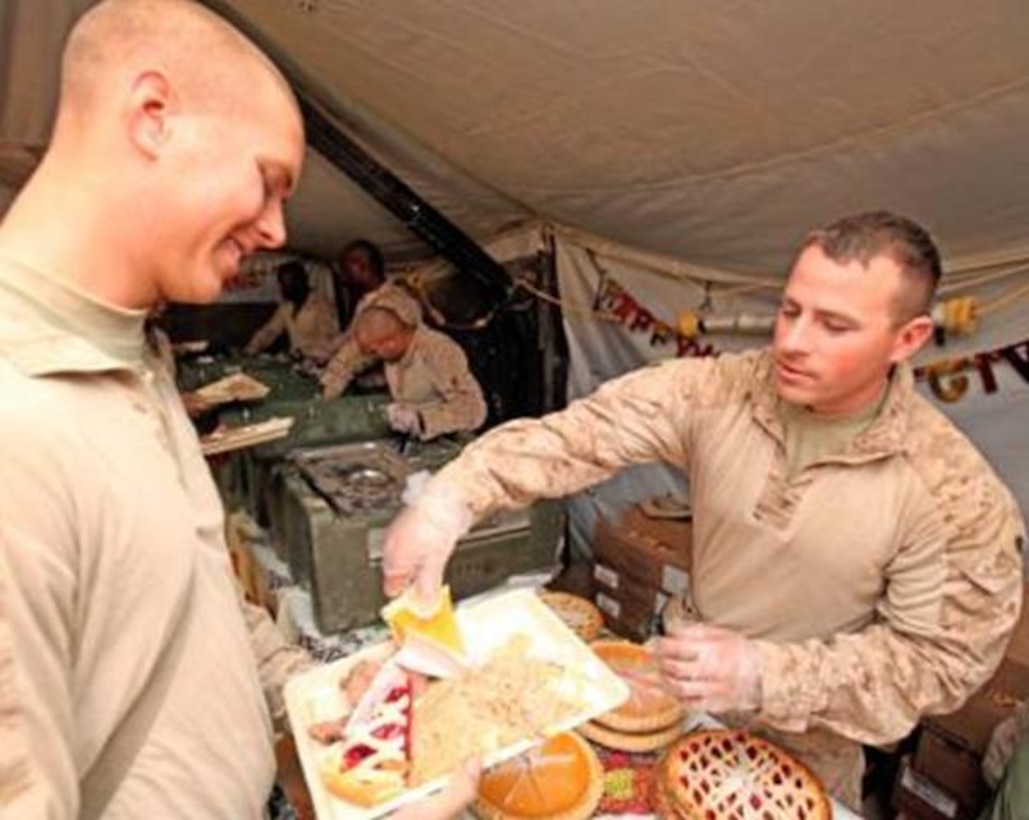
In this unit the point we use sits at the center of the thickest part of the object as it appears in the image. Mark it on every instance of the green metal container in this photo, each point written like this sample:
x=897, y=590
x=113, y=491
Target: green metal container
x=337, y=554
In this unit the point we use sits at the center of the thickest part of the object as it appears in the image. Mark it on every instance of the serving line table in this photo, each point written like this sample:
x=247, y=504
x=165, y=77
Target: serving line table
x=295, y=617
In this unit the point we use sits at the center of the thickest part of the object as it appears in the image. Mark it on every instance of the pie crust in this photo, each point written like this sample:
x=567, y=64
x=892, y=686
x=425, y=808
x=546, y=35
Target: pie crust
x=560, y=780
x=646, y=710
x=372, y=761
x=734, y=775
x=630, y=741
x=581, y=616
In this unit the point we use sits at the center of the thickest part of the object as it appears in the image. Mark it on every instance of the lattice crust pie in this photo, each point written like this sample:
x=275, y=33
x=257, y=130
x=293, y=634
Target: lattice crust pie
x=734, y=775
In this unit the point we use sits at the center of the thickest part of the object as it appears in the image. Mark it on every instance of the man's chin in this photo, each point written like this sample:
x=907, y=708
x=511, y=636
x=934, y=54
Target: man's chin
x=791, y=394
x=202, y=292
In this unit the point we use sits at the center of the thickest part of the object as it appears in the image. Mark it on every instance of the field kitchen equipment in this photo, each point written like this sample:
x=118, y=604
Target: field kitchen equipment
x=329, y=508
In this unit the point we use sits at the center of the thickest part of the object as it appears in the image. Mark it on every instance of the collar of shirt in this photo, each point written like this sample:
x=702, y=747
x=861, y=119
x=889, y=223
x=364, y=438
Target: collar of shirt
x=883, y=437
x=51, y=327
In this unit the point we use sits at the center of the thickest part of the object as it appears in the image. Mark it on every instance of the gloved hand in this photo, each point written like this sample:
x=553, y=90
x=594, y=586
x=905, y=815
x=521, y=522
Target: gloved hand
x=710, y=669
x=421, y=538
x=1003, y=741
x=449, y=803
x=404, y=418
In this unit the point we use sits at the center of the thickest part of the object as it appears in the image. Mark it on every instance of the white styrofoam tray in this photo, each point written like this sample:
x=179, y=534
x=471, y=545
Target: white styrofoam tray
x=487, y=625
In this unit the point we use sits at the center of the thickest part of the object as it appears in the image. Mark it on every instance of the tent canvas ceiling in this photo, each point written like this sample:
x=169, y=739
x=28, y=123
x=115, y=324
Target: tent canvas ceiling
x=713, y=132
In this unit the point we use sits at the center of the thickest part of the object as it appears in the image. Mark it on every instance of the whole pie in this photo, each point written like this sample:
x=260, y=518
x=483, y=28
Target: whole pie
x=734, y=775
x=560, y=780
x=581, y=616
x=630, y=741
x=647, y=710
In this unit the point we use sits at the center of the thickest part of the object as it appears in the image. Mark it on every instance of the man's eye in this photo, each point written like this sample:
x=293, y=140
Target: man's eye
x=836, y=327
x=789, y=310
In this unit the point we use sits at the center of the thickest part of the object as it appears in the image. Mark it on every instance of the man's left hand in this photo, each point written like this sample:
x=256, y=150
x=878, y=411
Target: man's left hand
x=710, y=669
x=404, y=418
x=452, y=801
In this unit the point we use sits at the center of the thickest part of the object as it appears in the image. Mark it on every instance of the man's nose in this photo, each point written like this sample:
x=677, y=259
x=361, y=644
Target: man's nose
x=272, y=226
x=795, y=336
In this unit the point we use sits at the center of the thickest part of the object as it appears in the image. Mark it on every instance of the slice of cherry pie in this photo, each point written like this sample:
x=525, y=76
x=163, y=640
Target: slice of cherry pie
x=372, y=762
x=735, y=775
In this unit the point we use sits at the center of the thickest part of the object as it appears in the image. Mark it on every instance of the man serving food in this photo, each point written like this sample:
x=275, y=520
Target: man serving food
x=856, y=562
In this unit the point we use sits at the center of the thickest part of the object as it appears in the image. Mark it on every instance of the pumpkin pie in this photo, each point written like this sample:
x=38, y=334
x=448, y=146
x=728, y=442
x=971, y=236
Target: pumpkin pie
x=647, y=710
x=560, y=780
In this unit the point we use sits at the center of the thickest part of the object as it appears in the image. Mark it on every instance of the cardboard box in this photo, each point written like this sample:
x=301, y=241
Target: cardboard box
x=920, y=799
x=955, y=770
x=640, y=562
x=655, y=553
x=630, y=608
x=970, y=727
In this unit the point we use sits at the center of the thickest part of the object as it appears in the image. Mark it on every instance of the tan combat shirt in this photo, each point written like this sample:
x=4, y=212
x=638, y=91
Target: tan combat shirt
x=434, y=378
x=881, y=583
x=309, y=329
x=346, y=359
x=107, y=515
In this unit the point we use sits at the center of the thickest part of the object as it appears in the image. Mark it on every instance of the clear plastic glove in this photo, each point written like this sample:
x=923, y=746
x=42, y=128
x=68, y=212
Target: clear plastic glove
x=404, y=418
x=710, y=669
x=1003, y=741
x=452, y=801
x=420, y=540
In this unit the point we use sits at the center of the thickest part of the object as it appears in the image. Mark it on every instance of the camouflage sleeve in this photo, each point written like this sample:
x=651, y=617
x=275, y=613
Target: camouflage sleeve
x=269, y=332
x=640, y=418
x=277, y=660
x=462, y=406
x=347, y=362
x=938, y=636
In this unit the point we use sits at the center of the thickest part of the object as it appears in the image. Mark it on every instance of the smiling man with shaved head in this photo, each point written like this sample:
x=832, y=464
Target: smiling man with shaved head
x=133, y=682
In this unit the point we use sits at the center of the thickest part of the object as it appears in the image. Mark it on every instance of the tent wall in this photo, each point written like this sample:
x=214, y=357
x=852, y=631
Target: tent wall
x=602, y=349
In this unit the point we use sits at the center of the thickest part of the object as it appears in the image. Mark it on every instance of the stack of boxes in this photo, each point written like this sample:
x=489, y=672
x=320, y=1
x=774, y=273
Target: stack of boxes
x=944, y=779
x=640, y=562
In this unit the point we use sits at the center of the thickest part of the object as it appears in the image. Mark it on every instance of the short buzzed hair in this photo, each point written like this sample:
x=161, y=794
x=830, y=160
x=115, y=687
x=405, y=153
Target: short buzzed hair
x=866, y=236
x=168, y=34
x=378, y=322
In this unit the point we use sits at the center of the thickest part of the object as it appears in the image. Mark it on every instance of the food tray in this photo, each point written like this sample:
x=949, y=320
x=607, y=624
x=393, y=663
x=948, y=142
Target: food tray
x=487, y=625
x=237, y=438
x=234, y=387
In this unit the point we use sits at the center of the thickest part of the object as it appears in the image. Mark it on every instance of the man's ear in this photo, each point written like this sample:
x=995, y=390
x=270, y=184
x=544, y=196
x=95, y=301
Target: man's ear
x=910, y=337
x=150, y=108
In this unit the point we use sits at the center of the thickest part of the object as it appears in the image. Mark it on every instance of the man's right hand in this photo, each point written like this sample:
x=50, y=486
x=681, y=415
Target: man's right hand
x=421, y=539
